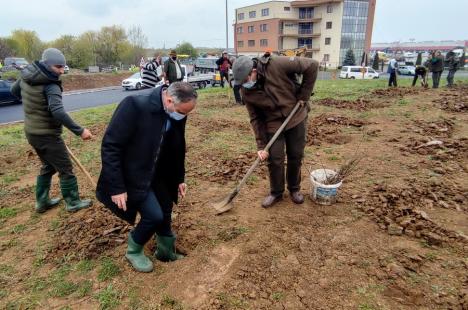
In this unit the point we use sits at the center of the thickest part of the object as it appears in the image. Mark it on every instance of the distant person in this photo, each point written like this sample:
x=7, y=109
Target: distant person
x=453, y=64
x=143, y=167
x=437, y=67
x=1, y=65
x=149, y=72
x=420, y=71
x=392, y=70
x=270, y=91
x=224, y=64
x=173, y=71
x=44, y=116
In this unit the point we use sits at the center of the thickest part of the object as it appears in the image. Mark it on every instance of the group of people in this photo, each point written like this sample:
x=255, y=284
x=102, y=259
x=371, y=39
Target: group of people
x=143, y=148
x=152, y=72
x=435, y=64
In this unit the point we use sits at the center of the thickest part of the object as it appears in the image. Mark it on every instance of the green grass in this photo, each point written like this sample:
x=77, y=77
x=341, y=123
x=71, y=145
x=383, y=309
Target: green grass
x=108, y=298
x=7, y=213
x=108, y=269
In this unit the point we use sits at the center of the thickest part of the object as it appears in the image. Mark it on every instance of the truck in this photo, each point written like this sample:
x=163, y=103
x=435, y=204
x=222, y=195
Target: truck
x=197, y=78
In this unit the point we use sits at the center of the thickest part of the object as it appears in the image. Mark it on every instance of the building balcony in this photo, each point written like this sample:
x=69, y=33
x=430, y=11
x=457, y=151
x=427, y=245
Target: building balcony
x=314, y=18
x=302, y=33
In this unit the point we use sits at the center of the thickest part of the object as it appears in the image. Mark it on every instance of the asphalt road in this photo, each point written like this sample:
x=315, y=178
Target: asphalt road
x=72, y=102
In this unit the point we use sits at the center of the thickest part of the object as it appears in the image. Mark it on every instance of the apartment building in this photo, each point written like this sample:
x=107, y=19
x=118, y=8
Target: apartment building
x=327, y=28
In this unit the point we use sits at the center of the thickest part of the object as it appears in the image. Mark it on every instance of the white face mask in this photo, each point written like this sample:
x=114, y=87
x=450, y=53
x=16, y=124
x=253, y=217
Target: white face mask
x=249, y=84
x=176, y=115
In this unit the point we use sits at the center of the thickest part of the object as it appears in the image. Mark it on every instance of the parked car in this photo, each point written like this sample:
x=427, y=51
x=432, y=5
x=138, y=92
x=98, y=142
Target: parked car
x=406, y=70
x=356, y=72
x=6, y=97
x=133, y=82
x=11, y=63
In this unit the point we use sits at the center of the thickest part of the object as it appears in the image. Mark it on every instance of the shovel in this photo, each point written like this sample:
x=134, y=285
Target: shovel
x=226, y=204
x=82, y=168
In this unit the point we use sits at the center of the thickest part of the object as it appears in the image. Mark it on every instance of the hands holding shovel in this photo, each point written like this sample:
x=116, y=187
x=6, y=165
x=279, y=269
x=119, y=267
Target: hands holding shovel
x=263, y=155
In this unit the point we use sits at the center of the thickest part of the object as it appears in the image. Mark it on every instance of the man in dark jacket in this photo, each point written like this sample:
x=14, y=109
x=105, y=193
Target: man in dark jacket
x=436, y=67
x=453, y=63
x=41, y=91
x=224, y=64
x=143, y=153
x=271, y=87
x=173, y=71
x=420, y=71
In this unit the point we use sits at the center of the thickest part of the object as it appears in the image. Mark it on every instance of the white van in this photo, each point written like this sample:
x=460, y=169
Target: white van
x=355, y=72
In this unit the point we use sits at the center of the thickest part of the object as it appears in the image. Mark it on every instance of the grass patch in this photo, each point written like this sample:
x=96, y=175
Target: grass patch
x=108, y=298
x=232, y=233
x=7, y=213
x=84, y=266
x=18, y=229
x=171, y=302
x=108, y=269
x=230, y=302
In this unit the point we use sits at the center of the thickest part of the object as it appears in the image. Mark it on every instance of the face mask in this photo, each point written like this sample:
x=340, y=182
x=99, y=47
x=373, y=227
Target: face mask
x=176, y=116
x=174, y=57
x=249, y=84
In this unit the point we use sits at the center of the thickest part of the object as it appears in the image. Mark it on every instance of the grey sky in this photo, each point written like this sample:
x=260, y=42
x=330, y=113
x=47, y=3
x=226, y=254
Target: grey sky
x=202, y=22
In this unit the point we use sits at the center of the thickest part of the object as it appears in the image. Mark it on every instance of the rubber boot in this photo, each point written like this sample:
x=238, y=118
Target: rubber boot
x=135, y=255
x=71, y=196
x=165, y=249
x=43, y=202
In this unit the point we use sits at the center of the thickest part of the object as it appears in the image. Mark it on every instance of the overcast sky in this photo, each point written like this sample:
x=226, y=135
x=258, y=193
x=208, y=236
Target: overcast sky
x=202, y=22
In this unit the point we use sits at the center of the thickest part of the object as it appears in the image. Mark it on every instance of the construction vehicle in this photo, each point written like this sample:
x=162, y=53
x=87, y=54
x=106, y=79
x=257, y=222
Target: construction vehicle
x=298, y=52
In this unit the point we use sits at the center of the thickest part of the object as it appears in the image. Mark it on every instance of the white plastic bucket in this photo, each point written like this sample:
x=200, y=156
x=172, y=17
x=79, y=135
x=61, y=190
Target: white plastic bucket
x=321, y=193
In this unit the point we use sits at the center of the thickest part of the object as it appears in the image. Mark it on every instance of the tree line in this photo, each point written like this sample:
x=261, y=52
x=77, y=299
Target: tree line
x=111, y=45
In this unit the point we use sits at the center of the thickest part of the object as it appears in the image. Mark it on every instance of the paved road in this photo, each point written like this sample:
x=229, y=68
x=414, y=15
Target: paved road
x=72, y=102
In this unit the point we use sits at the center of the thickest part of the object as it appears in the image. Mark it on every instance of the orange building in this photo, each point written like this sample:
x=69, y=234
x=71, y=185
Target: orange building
x=326, y=27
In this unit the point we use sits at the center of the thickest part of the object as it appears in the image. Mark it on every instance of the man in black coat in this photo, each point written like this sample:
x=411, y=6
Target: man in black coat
x=143, y=154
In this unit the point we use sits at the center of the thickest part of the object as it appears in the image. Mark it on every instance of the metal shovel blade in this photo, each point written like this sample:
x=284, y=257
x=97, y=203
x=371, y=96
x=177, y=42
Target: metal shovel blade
x=225, y=204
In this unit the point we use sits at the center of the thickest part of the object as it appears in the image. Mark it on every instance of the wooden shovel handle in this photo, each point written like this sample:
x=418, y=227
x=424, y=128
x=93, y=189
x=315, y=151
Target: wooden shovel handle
x=78, y=163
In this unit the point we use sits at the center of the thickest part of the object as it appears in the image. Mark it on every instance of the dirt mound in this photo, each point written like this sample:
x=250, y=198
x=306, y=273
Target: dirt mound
x=360, y=104
x=441, y=128
x=327, y=128
x=446, y=149
x=97, y=80
x=89, y=233
x=454, y=99
x=394, y=92
x=400, y=210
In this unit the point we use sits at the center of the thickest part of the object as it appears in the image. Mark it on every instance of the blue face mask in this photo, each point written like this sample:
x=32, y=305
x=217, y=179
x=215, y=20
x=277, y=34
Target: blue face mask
x=249, y=84
x=176, y=115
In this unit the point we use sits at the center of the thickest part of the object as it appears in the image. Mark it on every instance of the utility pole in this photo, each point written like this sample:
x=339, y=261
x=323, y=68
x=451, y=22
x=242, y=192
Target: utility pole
x=227, y=35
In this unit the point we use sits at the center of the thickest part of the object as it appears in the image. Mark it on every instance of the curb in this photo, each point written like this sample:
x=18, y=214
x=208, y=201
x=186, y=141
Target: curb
x=92, y=90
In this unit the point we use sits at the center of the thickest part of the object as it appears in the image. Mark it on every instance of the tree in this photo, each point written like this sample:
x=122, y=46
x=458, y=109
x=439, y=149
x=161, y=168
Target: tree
x=83, y=52
x=138, y=42
x=111, y=43
x=65, y=44
x=5, y=49
x=419, y=59
x=349, y=60
x=185, y=48
x=27, y=43
x=375, y=61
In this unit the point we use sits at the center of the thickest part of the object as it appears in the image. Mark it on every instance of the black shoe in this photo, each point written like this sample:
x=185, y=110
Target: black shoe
x=297, y=197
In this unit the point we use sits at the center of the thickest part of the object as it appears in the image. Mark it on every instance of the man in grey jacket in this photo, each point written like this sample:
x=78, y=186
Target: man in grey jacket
x=40, y=89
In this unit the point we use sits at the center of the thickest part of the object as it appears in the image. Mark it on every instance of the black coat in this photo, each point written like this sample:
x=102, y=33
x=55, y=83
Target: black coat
x=139, y=156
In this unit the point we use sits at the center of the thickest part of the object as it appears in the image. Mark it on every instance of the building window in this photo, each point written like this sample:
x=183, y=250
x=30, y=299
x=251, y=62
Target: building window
x=329, y=25
x=329, y=8
x=250, y=29
x=326, y=57
x=305, y=28
x=239, y=30
x=263, y=28
x=327, y=41
x=263, y=42
x=288, y=25
x=252, y=14
x=306, y=13
x=307, y=42
x=287, y=8
x=265, y=12
x=240, y=43
x=240, y=16
x=251, y=43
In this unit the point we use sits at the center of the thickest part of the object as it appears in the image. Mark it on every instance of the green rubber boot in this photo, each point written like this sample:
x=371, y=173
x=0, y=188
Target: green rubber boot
x=136, y=256
x=43, y=202
x=165, y=249
x=71, y=196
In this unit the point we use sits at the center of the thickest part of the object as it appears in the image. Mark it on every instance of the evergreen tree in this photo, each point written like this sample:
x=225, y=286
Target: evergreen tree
x=375, y=61
x=349, y=60
x=419, y=59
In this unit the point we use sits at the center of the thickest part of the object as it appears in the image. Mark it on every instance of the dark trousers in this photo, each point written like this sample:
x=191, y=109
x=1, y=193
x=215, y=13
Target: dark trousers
x=53, y=155
x=154, y=219
x=450, y=77
x=392, y=81
x=294, y=141
x=436, y=79
x=423, y=78
x=237, y=94
x=222, y=75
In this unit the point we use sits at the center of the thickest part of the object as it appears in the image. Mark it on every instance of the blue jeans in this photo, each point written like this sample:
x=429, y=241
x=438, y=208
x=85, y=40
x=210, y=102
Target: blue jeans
x=154, y=219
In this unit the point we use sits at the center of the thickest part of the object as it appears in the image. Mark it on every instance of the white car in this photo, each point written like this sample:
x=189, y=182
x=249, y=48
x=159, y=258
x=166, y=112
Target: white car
x=133, y=82
x=358, y=72
x=406, y=70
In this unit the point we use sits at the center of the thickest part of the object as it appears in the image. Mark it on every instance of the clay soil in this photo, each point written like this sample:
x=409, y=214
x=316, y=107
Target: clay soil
x=92, y=80
x=395, y=239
